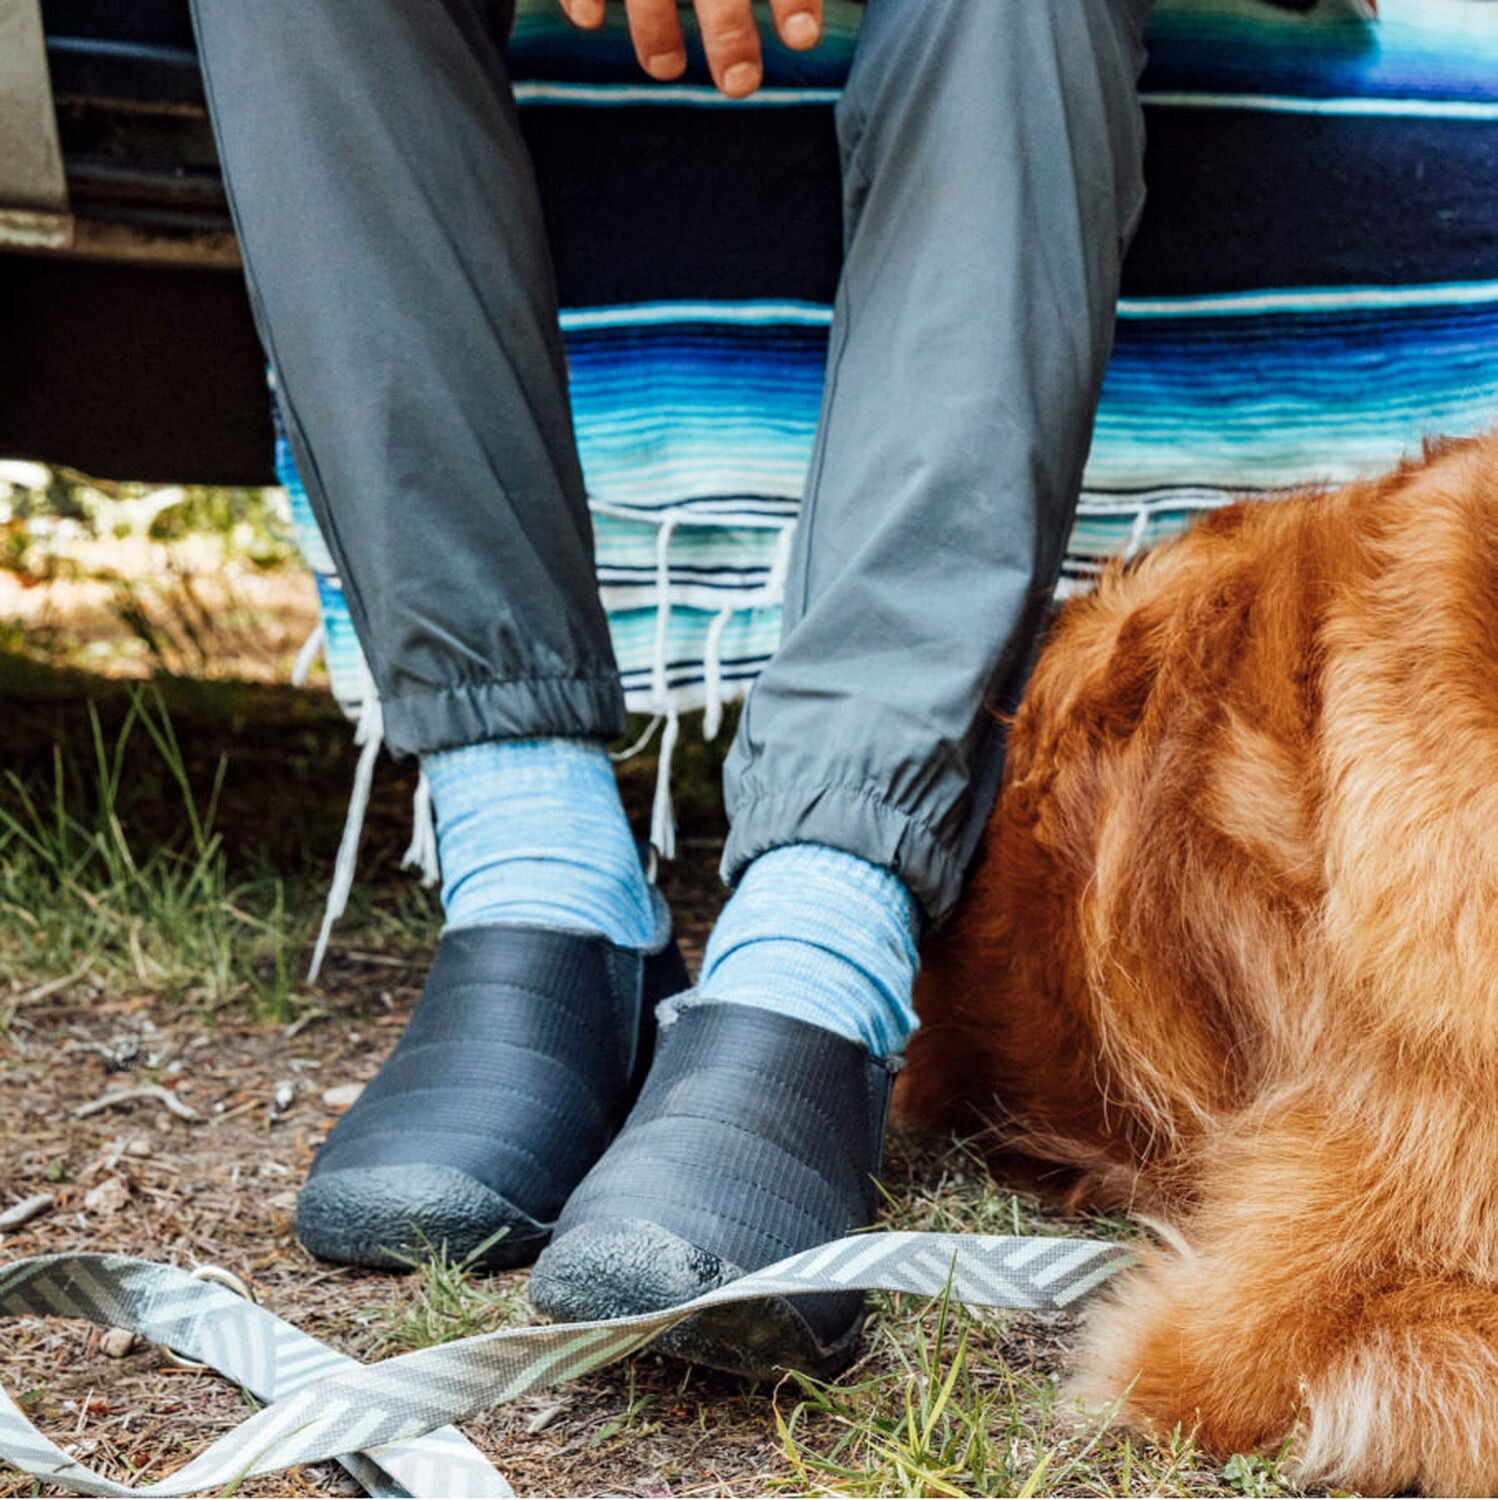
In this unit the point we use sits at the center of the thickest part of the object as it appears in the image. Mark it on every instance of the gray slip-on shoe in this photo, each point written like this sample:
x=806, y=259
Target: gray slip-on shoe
x=754, y=1137
x=519, y=1063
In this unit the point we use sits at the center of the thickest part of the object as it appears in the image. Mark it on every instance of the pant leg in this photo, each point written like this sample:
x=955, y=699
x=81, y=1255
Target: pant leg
x=992, y=175
x=400, y=277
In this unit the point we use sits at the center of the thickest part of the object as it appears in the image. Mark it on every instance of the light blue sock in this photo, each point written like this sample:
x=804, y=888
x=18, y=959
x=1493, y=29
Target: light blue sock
x=821, y=935
x=533, y=832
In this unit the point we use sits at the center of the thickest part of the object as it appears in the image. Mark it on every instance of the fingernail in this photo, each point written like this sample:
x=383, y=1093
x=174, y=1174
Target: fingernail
x=741, y=78
x=801, y=30
x=666, y=64
x=587, y=12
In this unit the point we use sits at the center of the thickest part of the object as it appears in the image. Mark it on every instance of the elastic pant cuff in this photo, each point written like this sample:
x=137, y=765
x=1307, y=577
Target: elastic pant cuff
x=859, y=821
x=521, y=708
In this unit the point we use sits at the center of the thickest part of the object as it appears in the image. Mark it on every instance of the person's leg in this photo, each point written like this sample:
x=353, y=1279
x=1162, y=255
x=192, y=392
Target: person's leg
x=974, y=319
x=401, y=282
x=992, y=160
x=993, y=174
x=398, y=270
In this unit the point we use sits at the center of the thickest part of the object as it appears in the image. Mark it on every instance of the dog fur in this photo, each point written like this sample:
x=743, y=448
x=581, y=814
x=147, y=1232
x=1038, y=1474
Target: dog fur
x=1229, y=959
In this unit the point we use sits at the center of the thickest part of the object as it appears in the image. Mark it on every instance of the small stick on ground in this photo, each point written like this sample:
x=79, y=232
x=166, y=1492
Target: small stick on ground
x=26, y=1210
x=153, y=1091
x=52, y=987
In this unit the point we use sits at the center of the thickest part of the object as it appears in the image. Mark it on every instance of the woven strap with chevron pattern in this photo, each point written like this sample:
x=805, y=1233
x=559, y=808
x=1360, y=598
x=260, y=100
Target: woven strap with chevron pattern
x=386, y=1422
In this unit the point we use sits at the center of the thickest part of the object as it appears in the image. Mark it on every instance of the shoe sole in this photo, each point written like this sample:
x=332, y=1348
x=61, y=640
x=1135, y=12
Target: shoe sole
x=634, y=1266
x=761, y=1340
x=391, y=1218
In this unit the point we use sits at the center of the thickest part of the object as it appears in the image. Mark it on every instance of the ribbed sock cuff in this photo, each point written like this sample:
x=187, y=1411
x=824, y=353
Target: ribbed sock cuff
x=824, y=936
x=533, y=832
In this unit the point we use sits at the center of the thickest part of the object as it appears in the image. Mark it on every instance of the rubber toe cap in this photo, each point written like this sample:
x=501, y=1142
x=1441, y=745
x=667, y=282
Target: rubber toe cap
x=630, y=1266
x=388, y=1217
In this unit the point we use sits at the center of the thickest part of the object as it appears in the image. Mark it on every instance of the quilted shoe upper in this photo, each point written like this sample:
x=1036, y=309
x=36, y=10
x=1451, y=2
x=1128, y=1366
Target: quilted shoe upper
x=755, y=1136
x=515, y=1070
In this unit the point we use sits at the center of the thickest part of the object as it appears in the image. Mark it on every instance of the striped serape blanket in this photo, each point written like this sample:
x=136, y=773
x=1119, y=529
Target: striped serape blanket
x=1313, y=290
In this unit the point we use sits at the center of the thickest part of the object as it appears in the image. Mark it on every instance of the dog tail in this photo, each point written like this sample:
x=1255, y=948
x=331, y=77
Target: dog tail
x=1309, y=1311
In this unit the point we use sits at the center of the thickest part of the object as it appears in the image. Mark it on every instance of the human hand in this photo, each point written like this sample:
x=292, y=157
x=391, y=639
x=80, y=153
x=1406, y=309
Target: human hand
x=728, y=34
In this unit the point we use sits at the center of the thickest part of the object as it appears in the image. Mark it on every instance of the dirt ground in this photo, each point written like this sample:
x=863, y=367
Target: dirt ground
x=135, y=1178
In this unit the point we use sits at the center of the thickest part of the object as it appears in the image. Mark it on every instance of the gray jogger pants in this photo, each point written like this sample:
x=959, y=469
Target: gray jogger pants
x=400, y=278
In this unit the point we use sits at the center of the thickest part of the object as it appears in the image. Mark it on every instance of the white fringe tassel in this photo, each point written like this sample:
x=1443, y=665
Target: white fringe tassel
x=306, y=658
x=421, y=852
x=370, y=734
x=630, y=751
x=662, y=816
x=1138, y=530
x=712, y=675
x=664, y=706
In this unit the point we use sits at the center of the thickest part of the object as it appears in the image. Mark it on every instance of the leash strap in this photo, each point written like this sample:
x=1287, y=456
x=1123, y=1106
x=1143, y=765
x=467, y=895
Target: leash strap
x=386, y=1422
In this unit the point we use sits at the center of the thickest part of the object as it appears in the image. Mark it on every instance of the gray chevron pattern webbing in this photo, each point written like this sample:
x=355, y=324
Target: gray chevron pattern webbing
x=386, y=1423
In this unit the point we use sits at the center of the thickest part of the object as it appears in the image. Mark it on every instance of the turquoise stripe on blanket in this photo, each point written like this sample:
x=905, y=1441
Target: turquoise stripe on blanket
x=1418, y=49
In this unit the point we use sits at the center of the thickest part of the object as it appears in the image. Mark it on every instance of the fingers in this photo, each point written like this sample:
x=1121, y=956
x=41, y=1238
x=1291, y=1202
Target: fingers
x=657, y=36
x=585, y=13
x=731, y=41
x=729, y=36
x=799, y=22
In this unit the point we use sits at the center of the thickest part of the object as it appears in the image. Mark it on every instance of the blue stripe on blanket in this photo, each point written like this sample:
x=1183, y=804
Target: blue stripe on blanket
x=1249, y=390
x=1280, y=398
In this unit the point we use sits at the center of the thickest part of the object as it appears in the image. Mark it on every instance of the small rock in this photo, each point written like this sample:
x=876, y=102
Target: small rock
x=138, y=1145
x=116, y=1343
x=341, y=1095
x=108, y=1198
x=284, y=1096
x=26, y=1210
x=122, y=1054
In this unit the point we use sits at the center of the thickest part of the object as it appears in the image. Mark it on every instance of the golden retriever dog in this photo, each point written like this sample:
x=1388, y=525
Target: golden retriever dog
x=1229, y=959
